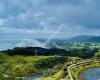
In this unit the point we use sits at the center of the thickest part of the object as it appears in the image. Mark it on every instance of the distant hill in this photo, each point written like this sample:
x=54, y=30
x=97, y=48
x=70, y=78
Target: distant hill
x=85, y=38
x=94, y=39
x=25, y=51
x=35, y=51
x=38, y=51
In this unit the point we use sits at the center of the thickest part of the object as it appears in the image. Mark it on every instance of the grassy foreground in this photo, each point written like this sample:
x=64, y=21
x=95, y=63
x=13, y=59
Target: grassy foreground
x=22, y=66
x=59, y=75
x=18, y=66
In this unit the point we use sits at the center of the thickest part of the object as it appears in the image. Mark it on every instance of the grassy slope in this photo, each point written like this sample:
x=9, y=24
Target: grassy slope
x=19, y=65
x=59, y=75
x=26, y=58
x=24, y=65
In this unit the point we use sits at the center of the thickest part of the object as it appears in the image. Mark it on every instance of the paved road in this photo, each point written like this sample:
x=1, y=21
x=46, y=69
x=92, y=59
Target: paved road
x=70, y=75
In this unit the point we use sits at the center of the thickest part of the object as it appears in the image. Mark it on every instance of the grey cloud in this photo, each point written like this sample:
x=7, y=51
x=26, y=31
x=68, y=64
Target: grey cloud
x=29, y=14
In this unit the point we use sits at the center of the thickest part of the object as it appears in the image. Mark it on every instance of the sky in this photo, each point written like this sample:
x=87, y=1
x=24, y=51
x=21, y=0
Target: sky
x=49, y=18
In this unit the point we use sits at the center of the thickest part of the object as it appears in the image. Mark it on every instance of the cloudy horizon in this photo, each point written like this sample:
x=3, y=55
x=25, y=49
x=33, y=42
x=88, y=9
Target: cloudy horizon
x=41, y=18
x=31, y=19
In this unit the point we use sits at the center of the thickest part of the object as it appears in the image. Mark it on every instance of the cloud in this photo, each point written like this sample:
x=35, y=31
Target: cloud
x=29, y=43
x=1, y=22
x=43, y=17
x=62, y=2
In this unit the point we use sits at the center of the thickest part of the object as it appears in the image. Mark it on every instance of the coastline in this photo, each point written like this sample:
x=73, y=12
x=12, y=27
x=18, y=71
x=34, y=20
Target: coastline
x=76, y=71
x=80, y=76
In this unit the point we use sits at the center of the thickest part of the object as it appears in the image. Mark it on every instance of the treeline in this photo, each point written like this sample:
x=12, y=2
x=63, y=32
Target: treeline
x=35, y=51
x=83, y=53
x=50, y=62
x=25, y=51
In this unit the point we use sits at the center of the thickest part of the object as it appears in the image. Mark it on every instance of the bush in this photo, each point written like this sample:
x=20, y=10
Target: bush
x=53, y=71
x=2, y=58
x=50, y=62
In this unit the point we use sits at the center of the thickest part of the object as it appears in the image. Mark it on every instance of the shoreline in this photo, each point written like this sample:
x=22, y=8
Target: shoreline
x=80, y=76
x=76, y=71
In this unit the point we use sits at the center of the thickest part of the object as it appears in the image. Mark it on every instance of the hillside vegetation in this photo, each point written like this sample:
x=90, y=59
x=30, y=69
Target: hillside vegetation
x=72, y=51
x=23, y=66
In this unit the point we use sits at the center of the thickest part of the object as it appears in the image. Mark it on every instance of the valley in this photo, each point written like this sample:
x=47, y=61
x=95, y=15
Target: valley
x=49, y=40
x=37, y=63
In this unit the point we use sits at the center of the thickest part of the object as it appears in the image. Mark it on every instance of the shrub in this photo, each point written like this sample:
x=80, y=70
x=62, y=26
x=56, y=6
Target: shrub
x=50, y=62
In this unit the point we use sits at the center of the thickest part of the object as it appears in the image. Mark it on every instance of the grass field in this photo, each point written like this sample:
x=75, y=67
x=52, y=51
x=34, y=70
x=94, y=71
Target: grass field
x=19, y=66
x=59, y=75
x=22, y=66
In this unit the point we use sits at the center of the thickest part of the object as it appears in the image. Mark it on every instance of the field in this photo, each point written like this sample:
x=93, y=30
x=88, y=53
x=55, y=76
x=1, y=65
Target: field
x=15, y=66
x=18, y=66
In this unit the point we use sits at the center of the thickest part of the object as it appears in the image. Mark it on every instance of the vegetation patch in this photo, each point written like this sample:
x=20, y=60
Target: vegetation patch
x=18, y=66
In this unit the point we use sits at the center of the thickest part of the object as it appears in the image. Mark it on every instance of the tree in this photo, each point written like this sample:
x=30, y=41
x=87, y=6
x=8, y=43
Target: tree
x=97, y=55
